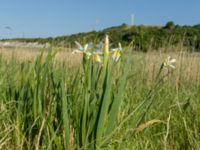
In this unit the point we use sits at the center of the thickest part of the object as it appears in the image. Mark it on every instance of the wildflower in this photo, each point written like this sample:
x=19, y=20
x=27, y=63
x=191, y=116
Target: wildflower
x=116, y=53
x=169, y=62
x=82, y=50
x=88, y=51
x=96, y=58
x=87, y=55
x=80, y=47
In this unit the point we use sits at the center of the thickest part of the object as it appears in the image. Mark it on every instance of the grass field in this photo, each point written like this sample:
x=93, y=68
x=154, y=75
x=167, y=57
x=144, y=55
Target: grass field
x=59, y=101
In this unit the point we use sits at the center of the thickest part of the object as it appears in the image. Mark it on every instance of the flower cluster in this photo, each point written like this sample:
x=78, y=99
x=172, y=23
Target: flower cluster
x=90, y=52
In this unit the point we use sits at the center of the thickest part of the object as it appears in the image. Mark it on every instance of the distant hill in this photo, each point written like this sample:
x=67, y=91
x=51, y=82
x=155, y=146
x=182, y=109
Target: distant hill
x=144, y=38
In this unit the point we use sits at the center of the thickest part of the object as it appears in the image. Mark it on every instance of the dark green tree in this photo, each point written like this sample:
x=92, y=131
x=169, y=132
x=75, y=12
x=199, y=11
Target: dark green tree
x=170, y=25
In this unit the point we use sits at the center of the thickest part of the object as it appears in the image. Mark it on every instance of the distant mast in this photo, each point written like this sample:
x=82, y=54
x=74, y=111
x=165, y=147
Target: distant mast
x=132, y=19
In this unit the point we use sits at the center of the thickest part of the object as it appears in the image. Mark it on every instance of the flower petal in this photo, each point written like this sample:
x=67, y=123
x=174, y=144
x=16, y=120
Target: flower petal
x=172, y=66
x=80, y=47
x=97, y=58
x=85, y=47
x=172, y=60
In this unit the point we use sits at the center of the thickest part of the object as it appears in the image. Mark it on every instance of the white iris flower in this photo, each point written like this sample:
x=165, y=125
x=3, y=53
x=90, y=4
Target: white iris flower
x=82, y=50
x=116, y=53
x=88, y=51
x=169, y=62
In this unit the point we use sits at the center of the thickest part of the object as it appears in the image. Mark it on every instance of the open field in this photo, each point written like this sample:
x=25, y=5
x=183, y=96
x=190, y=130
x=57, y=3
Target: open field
x=189, y=63
x=55, y=103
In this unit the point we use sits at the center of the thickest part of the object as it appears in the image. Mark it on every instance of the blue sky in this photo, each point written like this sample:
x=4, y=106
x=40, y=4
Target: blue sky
x=44, y=18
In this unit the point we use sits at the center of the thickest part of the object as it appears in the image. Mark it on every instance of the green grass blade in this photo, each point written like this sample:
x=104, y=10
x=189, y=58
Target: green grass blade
x=65, y=118
x=117, y=100
x=105, y=102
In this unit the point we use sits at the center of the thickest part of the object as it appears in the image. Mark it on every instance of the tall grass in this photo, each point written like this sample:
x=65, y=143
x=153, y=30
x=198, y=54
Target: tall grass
x=45, y=104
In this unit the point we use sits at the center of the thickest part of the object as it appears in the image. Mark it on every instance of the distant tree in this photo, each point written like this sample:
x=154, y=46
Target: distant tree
x=170, y=25
x=197, y=26
x=144, y=38
x=124, y=24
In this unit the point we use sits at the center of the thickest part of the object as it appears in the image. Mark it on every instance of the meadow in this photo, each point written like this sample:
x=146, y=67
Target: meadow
x=53, y=99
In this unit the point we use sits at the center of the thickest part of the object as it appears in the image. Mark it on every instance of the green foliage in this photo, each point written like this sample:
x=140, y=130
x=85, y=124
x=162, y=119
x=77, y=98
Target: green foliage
x=46, y=105
x=144, y=37
x=170, y=25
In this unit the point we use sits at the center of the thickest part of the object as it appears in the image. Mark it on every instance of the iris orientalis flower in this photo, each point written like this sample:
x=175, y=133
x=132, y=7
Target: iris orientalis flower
x=116, y=53
x=88, y=51
x=169, y=62
x=83, y=50
x=104, y=50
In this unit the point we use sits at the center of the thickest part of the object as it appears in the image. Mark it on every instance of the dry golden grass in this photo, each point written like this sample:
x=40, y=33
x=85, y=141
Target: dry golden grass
x=187, y=65
x=30, y=54
x=147, y=124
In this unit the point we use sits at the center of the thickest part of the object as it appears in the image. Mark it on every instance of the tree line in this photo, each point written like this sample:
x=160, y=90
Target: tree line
x=144, y=38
